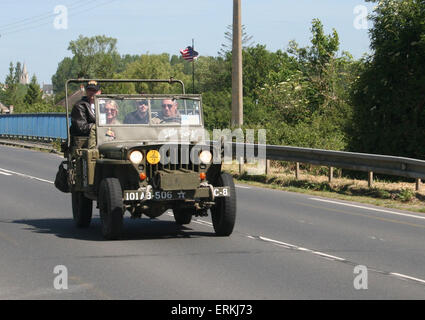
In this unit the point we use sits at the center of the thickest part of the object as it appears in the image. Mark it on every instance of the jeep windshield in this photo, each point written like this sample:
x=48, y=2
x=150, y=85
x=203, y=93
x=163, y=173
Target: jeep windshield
x=148, y=111
x=149, y=119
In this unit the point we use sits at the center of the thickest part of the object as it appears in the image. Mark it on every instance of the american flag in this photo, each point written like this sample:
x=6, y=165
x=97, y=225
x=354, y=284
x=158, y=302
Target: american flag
x=189, y=54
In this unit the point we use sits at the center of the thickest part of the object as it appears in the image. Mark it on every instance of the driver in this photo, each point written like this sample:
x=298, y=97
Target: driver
x=169, y=112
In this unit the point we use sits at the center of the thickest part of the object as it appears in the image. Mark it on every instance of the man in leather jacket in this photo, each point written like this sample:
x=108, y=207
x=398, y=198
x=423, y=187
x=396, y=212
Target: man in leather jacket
x=83, y=116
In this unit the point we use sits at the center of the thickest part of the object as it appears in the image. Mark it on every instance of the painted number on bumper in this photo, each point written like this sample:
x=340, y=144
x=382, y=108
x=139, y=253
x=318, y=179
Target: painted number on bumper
x=222, y=192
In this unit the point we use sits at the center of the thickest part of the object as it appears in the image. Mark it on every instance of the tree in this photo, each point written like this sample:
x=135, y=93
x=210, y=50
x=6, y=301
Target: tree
x=10, y=78
x=258, y=62
x=389, y=96
x=155, y=67
x=18, y=73
x=34, y=94
x=67, y=69
x=15, y=92
x=307, y=93
x=226, y=47
x=94, y=55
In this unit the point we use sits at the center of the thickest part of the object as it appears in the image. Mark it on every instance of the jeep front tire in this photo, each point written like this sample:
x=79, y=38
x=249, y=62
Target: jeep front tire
x=111, y=208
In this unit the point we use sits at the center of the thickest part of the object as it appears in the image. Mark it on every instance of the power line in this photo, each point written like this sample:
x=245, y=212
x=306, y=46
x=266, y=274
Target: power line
x=21, y=28
x=34, y=18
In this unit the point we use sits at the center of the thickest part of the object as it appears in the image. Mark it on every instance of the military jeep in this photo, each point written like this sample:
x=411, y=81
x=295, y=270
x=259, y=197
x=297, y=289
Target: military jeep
x=151, y=156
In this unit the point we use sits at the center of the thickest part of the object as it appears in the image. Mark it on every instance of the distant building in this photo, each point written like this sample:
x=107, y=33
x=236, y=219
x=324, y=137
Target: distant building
x=4, y=109
x=47, y=90
x=73, y=98
x=24, y=79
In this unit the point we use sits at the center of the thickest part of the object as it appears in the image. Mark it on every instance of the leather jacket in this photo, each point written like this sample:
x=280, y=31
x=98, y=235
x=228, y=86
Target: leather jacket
x=82, y=118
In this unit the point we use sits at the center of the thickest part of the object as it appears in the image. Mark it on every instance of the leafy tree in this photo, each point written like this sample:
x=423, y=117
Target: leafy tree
x=155, y=67
x=389, y=96
x=93, y=54
x=213, y=74
x=306, y=95
x=34, y=92
x=18, y=73
x=258, y=62
x=217, y=109
x=15, y=92
x=94, y=57
x=67, y=69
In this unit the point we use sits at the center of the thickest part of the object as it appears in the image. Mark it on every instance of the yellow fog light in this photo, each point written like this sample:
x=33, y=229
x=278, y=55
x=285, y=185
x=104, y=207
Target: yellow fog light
x=153, y=157
x=136, y=157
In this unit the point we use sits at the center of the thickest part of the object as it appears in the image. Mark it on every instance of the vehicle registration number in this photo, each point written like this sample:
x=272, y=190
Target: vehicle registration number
x=137, y=195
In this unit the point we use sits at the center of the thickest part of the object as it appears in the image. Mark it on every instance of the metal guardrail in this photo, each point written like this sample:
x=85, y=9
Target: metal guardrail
x=391, y=165
x=33, y=125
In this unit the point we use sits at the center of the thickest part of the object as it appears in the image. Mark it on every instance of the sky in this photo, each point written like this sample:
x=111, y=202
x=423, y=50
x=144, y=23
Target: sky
x=31, y=31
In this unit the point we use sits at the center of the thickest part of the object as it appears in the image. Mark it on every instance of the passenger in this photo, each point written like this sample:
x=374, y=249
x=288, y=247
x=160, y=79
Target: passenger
x=83, y=115
x=140, y=116
x=111, y=110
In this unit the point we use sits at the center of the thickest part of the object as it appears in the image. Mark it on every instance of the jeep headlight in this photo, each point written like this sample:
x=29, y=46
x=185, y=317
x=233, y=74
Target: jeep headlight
x=136, y=157
x=205, y=157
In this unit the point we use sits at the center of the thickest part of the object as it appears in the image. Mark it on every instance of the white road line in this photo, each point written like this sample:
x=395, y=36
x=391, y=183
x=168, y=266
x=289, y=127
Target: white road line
x=279, y=242
x=369, y=208
x=5, y=173
x=25, y=175
x=407, y=277
x=328, y=256
x=331, y=257
x=206, y=222
x=243, y=187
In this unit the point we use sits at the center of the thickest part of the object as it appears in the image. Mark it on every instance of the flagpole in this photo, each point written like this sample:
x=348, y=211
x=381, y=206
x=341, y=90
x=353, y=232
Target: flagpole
x=193, y=68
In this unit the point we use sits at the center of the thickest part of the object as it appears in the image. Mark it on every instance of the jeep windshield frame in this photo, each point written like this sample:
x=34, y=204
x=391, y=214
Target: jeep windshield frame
x=100, y=81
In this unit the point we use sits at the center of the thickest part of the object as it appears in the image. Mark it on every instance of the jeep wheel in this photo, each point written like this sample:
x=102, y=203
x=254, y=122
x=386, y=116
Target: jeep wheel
x=111, y=208
x=223, y=213
x=82, y=209
x=183, y=215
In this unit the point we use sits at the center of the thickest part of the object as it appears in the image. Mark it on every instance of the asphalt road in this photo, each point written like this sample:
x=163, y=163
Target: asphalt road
x=285, y=246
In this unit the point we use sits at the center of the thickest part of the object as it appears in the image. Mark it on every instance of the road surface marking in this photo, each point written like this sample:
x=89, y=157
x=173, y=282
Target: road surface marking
x=25, y=175
x=206, y=222
x=369, y=208
x=280, y=243
x=334, y=258
x=407, y=277
x=328, y=256
x=5, y=173
x=243, y=187
x=363, y=215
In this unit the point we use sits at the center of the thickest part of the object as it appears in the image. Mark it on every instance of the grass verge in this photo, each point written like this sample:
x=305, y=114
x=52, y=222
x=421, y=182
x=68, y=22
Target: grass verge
x=400, y=195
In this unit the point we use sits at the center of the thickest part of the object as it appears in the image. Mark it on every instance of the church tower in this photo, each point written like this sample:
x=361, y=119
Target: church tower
x=24, y=79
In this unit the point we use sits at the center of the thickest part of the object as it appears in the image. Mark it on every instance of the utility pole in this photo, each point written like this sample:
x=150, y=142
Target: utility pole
x=237, y=101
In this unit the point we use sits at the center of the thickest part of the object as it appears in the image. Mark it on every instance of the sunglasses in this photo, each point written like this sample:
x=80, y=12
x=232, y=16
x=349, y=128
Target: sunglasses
x=169, y=106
